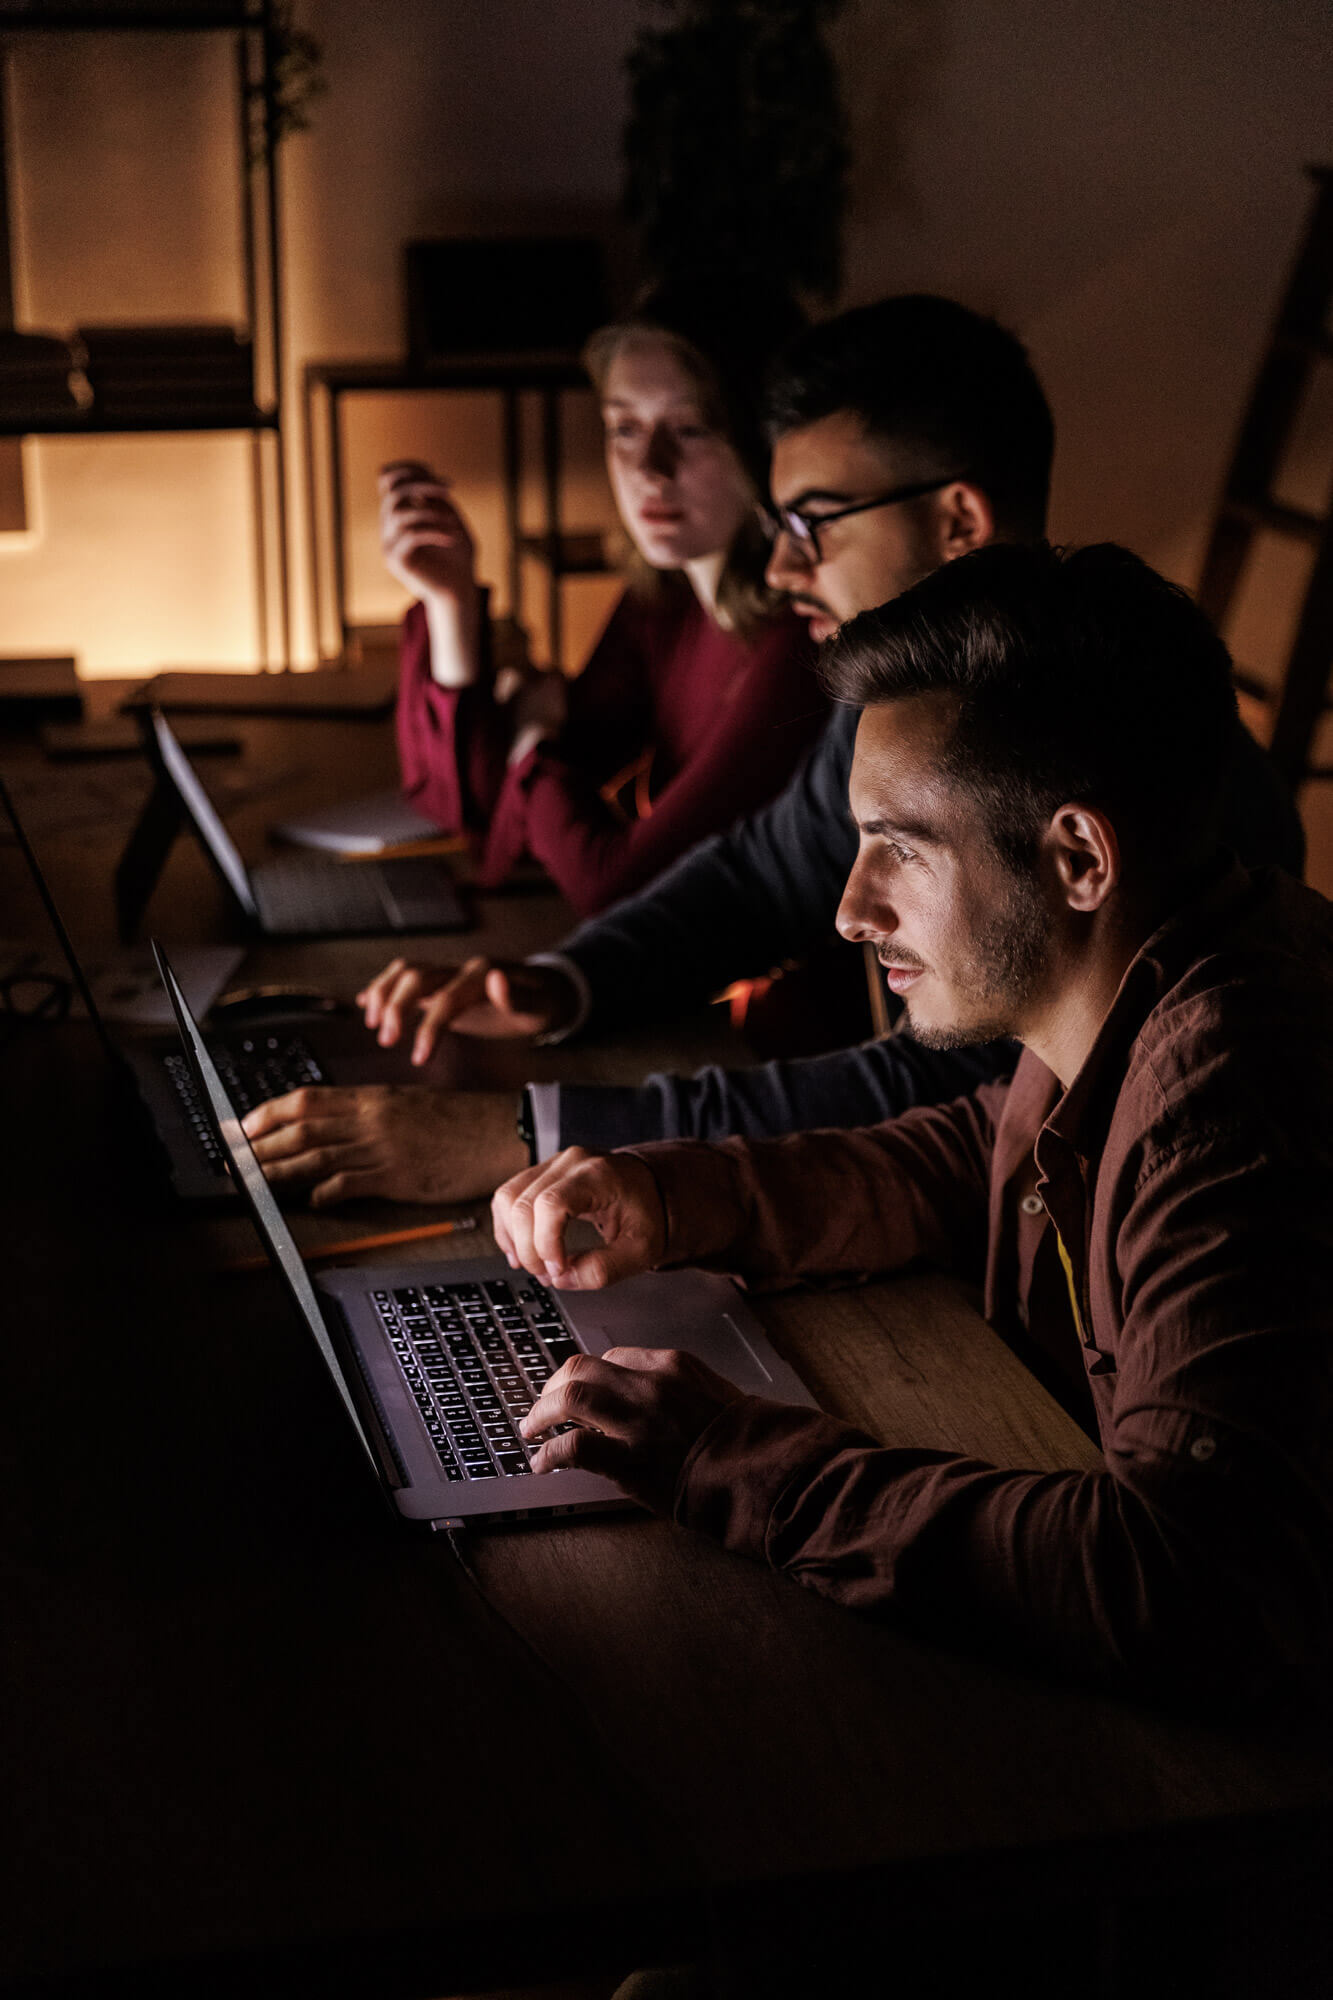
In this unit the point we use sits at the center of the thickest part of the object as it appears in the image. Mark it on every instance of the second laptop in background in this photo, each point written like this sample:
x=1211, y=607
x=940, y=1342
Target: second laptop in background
x=297, y=895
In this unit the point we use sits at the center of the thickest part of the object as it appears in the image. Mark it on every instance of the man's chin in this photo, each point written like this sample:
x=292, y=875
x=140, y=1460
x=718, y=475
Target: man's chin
x=944, y=1035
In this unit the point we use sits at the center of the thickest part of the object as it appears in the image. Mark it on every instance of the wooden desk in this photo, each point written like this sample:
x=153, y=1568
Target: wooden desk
x=259, y=1738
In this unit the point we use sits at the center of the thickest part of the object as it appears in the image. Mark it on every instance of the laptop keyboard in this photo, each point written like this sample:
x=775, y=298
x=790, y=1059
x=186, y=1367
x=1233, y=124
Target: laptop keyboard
x=253, y=1068
x=475, y=1359
x=301, y=896
x=305, y=896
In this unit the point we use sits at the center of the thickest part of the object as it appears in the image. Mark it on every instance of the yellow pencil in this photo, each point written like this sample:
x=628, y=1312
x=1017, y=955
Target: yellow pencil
x=356, y=1244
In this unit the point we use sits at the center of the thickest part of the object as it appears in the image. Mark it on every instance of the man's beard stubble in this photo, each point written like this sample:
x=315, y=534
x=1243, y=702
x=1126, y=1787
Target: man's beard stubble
x=1009, y=957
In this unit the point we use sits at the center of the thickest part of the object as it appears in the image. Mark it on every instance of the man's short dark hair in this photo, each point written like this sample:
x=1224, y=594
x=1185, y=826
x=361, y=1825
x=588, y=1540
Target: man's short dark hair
x=1081, y=677
x=954, y=390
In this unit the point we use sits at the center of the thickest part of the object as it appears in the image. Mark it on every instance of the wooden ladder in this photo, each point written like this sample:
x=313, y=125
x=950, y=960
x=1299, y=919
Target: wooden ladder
x=1301, y=342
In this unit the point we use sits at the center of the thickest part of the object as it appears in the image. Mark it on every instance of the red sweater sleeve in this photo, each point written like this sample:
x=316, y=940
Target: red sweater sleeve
x=760, y=721
x=452, y=742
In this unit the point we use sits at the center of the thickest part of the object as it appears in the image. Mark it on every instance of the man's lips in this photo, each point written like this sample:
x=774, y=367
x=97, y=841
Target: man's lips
x=822, y=622
x=899, y=977
x=661, y=516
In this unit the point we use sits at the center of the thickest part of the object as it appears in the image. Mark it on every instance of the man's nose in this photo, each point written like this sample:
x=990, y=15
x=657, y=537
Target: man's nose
x=862, y=915
x=786, y=568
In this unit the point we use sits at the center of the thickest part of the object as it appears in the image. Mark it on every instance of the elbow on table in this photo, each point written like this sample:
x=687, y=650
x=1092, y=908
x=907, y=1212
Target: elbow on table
x=1222, y=1638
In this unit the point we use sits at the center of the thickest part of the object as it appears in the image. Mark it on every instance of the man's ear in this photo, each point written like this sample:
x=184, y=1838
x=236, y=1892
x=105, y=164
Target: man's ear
x=1083, y=847
x=965, y=519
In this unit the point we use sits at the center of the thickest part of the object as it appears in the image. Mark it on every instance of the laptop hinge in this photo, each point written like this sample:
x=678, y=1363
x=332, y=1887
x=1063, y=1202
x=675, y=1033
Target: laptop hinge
x=362, y=1387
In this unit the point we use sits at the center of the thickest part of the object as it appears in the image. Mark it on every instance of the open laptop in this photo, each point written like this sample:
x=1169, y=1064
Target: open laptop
x=435, y=1364
x=294, y=895
x=263, y=1058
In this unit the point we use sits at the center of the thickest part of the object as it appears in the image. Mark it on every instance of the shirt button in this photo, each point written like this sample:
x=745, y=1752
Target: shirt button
x=1032, y=1204
x=1202, y=1449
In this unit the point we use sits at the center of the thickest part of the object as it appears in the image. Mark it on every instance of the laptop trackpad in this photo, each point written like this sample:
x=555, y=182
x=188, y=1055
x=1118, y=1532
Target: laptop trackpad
x=694, y=1310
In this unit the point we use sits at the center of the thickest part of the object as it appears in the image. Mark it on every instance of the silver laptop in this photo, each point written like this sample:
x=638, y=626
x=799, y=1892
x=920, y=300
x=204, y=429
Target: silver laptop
x=435, y=1364
x=298, y=895
x=277, y=1049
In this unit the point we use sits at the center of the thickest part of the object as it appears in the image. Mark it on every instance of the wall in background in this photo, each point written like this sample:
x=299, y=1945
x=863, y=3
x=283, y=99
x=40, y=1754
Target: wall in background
x=1121, y=184
x=436, y=119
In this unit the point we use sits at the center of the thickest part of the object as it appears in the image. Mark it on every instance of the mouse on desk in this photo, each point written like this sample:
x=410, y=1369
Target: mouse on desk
x=248, y=1003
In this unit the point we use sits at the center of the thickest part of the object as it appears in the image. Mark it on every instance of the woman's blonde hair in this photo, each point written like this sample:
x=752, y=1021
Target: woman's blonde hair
x=710, y=343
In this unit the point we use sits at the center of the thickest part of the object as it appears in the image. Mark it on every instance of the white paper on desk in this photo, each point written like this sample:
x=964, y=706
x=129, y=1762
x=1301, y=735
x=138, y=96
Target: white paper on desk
x=124, y=981
x=359, y=826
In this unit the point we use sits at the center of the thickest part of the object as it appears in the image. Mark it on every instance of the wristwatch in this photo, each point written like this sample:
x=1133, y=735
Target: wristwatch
x=527, y=1129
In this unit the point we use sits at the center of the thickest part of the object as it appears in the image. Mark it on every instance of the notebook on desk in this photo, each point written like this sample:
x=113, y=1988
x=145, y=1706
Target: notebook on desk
x=359, y=826
x=299, y=896
x=436, y=1364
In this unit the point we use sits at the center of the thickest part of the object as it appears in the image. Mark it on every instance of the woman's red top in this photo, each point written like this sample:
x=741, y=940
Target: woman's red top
x=724, y=722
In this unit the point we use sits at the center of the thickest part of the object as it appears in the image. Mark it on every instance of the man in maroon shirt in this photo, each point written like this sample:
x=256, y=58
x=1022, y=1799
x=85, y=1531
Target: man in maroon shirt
x=1037, y=787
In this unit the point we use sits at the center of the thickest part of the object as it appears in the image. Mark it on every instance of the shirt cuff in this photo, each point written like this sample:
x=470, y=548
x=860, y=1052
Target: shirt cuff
x=697, y=1184
x=545, y=1101
x=732, y=1483
x=582, y=1002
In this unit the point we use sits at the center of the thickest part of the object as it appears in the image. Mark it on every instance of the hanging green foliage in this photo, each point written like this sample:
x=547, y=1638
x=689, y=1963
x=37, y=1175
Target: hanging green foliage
x=294, y=61
x=736, y=151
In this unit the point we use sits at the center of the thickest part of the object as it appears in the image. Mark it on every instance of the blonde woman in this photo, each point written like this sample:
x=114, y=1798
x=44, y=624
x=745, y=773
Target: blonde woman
x=702, y=676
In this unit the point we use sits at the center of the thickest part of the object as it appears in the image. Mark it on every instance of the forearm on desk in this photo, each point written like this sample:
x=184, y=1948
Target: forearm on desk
x=830, y=1203
x=849, y=1087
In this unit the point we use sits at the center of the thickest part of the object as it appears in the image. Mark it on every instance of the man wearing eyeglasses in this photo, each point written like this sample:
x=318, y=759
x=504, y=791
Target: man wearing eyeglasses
x=905, y=434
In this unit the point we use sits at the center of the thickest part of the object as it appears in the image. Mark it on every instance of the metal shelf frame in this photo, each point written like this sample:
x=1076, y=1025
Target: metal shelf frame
x=253, y=24
x=325, y=385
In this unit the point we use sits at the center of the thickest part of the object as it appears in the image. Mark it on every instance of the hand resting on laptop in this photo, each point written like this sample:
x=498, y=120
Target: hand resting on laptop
x=639, y=1411
x=402, y=1142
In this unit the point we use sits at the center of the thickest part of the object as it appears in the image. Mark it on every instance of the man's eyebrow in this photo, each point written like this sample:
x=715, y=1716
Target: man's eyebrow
x=809, y=493
x=881, y=823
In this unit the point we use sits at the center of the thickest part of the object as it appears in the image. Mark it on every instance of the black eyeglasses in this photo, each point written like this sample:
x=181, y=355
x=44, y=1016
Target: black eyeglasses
x=803, y=529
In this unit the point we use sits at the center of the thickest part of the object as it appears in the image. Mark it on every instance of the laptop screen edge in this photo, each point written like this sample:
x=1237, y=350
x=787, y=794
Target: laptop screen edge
x=267, y=1217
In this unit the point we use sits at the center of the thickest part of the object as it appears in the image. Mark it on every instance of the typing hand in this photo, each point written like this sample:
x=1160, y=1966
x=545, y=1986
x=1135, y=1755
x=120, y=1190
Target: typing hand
x=425, y=541
x=401, y=1142
x=497, y=1000
x=614, y=1191
x=639, y=1412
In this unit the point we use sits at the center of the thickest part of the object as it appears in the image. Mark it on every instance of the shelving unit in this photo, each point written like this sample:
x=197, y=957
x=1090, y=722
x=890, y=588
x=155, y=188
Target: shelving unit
x=326, y=384
x=252, y=24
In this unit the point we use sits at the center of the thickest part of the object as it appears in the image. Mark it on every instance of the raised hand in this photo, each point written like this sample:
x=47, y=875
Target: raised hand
x=614, y=1191
x=425, y=541
x=500, y=1000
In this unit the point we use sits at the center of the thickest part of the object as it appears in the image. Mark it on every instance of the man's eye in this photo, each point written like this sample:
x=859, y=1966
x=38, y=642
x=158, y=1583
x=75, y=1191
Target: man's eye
x=618, y=433
x=897, y=852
